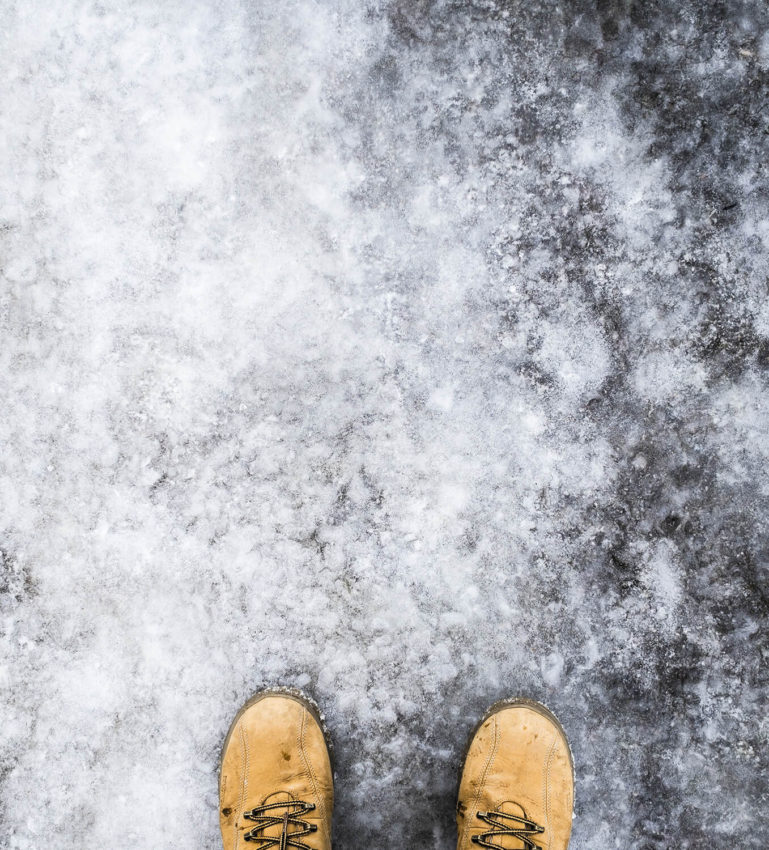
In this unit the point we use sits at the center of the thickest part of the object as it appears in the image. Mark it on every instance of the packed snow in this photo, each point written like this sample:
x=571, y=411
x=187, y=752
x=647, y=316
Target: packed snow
x=415, y=354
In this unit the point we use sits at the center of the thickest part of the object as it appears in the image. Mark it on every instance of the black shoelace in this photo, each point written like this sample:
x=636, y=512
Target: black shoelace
x=266, y=816
x=503, y=823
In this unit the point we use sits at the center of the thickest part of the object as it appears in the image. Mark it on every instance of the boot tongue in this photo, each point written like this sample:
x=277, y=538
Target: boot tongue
x=512, y=842
x=279, y=797
x=276, y=830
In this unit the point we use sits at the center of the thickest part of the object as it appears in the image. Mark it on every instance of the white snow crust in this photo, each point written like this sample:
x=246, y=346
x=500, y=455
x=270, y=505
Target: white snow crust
x=312, y=374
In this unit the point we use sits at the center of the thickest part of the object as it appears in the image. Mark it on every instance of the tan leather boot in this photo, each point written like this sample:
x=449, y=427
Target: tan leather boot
x=276, y=786
x=517, y=785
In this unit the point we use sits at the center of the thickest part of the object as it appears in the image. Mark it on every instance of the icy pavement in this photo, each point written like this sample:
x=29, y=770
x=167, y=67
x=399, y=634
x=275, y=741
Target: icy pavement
x=415, y=354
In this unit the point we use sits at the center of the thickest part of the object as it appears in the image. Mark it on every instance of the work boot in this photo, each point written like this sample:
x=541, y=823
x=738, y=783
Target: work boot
x=517, y=785
x=276, y=786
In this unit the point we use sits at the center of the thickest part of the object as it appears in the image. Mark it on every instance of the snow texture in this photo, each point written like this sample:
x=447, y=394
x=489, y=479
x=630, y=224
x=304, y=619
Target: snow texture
x=414, y=353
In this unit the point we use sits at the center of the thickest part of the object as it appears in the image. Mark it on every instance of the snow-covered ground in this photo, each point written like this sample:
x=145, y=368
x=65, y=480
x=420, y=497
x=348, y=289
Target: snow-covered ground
x=412, y=353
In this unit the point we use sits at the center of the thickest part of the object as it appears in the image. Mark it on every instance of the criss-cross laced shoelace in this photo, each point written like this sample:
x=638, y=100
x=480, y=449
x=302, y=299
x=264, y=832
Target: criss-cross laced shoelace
x=503, y=823
x=268, y=815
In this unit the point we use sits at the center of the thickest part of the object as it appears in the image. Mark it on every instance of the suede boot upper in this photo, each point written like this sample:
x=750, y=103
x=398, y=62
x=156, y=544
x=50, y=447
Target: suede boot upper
x=517, y=786
x=276, y=783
